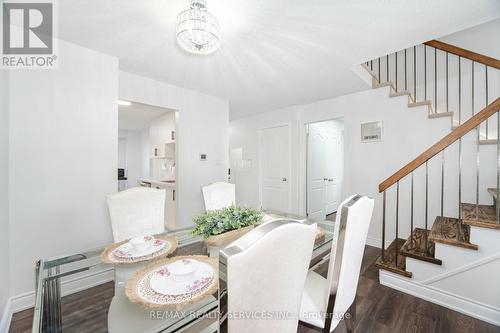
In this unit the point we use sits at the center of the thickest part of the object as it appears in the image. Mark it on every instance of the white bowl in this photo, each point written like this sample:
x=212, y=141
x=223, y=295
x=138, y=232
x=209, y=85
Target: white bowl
x=182, y=270
x=141, y=243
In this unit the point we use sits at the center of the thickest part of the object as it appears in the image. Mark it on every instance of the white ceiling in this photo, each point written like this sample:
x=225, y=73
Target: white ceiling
x=138, y=116
x=274, y=53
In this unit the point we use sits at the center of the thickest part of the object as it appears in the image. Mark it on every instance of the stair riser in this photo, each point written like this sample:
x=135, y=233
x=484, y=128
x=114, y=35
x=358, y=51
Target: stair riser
x=454, y=257
x=487, y=239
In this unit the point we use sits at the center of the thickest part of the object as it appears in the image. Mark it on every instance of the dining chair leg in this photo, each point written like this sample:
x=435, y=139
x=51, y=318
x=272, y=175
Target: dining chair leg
x=350, y=320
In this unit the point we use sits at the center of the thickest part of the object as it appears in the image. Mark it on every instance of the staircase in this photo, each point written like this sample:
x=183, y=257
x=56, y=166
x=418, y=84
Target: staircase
x=442, y=207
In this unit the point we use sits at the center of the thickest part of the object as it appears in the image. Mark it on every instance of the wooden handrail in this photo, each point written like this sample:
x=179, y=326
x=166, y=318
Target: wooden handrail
x=456, y=134
x=485, y=60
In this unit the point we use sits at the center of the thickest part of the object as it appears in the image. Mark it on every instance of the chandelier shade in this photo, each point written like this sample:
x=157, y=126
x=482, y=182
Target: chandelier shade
x=197, y=30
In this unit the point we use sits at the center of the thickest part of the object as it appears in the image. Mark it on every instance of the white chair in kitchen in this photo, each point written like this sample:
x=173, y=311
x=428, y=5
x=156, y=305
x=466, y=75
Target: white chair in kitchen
x=266, y=270
x=219, y=195
x=335, y=296
x=137, y=211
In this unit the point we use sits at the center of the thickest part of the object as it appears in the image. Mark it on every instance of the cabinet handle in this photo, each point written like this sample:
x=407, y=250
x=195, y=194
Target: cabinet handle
x=173, y=195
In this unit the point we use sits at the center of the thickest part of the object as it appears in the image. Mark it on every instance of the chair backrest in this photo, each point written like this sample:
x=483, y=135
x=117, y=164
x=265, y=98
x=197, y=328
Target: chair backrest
x=137, y=211
x=266, y=273
x=218, y=195
x=351, y=229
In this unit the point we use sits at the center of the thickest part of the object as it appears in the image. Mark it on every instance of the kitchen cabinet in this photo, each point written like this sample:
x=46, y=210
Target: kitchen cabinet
x=160, y=134
x=170, y=203
x=170, y=209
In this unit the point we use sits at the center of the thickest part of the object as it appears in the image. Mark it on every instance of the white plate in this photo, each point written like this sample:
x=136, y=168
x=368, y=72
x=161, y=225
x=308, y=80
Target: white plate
x=162, y=281
x=125, y=251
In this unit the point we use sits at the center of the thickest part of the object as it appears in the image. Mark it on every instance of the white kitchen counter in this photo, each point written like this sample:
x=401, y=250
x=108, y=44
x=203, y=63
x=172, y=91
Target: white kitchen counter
x=158, y=183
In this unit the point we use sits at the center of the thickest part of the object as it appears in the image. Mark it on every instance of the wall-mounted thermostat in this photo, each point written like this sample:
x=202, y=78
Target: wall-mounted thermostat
x=203, y=157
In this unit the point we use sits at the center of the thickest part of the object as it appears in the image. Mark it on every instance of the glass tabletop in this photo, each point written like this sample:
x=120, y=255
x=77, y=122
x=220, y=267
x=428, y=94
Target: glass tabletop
x=79, y=291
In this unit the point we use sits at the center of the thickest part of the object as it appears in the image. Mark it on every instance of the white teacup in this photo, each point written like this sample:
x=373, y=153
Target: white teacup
x=141, y=243
x=182, y=270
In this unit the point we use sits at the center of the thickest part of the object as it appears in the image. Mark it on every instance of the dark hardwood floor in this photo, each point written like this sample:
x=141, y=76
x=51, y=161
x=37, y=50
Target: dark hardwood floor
x=379, y=309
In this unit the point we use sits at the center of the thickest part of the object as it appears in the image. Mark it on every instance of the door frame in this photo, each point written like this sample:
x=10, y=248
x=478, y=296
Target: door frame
x=304, y=161
x=289, y=176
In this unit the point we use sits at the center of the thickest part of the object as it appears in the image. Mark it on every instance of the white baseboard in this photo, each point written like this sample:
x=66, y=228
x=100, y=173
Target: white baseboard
x=27, y=300
x=373, y=242
x=458, y=303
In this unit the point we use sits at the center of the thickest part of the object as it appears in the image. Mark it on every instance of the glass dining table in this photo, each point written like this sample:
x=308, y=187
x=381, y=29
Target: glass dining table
x=80, y=293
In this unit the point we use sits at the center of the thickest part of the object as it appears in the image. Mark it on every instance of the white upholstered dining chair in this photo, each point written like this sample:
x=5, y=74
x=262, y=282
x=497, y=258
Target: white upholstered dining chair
x=137, y=211
x=262, y=276
x=333, y=298
x=219, y=195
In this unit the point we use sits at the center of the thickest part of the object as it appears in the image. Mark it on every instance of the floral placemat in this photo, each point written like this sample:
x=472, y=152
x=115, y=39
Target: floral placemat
x=139, y=291
x=108, y=257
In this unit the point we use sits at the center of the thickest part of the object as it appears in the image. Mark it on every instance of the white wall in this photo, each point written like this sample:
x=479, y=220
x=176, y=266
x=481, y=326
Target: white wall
x=4, y=189
x=482, y=39
x=202, y=127
x=63, y=158
x=407, y=132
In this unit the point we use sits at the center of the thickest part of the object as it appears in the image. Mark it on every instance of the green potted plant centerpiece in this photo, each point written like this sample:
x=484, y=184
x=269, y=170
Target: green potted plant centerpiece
x=222, y=226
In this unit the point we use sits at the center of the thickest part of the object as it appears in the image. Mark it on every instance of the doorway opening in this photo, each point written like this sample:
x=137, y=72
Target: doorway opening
x=147, y=151
x=324, y=168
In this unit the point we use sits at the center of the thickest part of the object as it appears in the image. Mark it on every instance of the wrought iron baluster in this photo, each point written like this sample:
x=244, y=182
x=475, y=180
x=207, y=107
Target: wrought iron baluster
x=426, y=207
x=406, y=74
x=411, y=209
x=387, y=68
x=396, y=66
x=397, y=222
x=486, y=75
x=459, y=148
x=425, y=72
x=379, y=78
x=447, y=83
x=478, y=130
x=442, y=182
x=383, y=227
x=415, y=72
x=435, y=81
x=459, y=91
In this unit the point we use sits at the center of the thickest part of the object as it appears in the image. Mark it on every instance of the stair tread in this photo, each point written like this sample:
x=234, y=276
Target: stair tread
x=389, y=263
x=441, y=114
x=414, y=247
x=420, y=103
x=444, y=230
x=480, y=216
x=400, y=93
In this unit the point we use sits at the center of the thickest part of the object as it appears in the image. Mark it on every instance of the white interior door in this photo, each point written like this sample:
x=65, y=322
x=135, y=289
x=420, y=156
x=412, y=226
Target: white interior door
x=333, y=170
x=275, y=168
x=325, y=160
x=316, y=173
